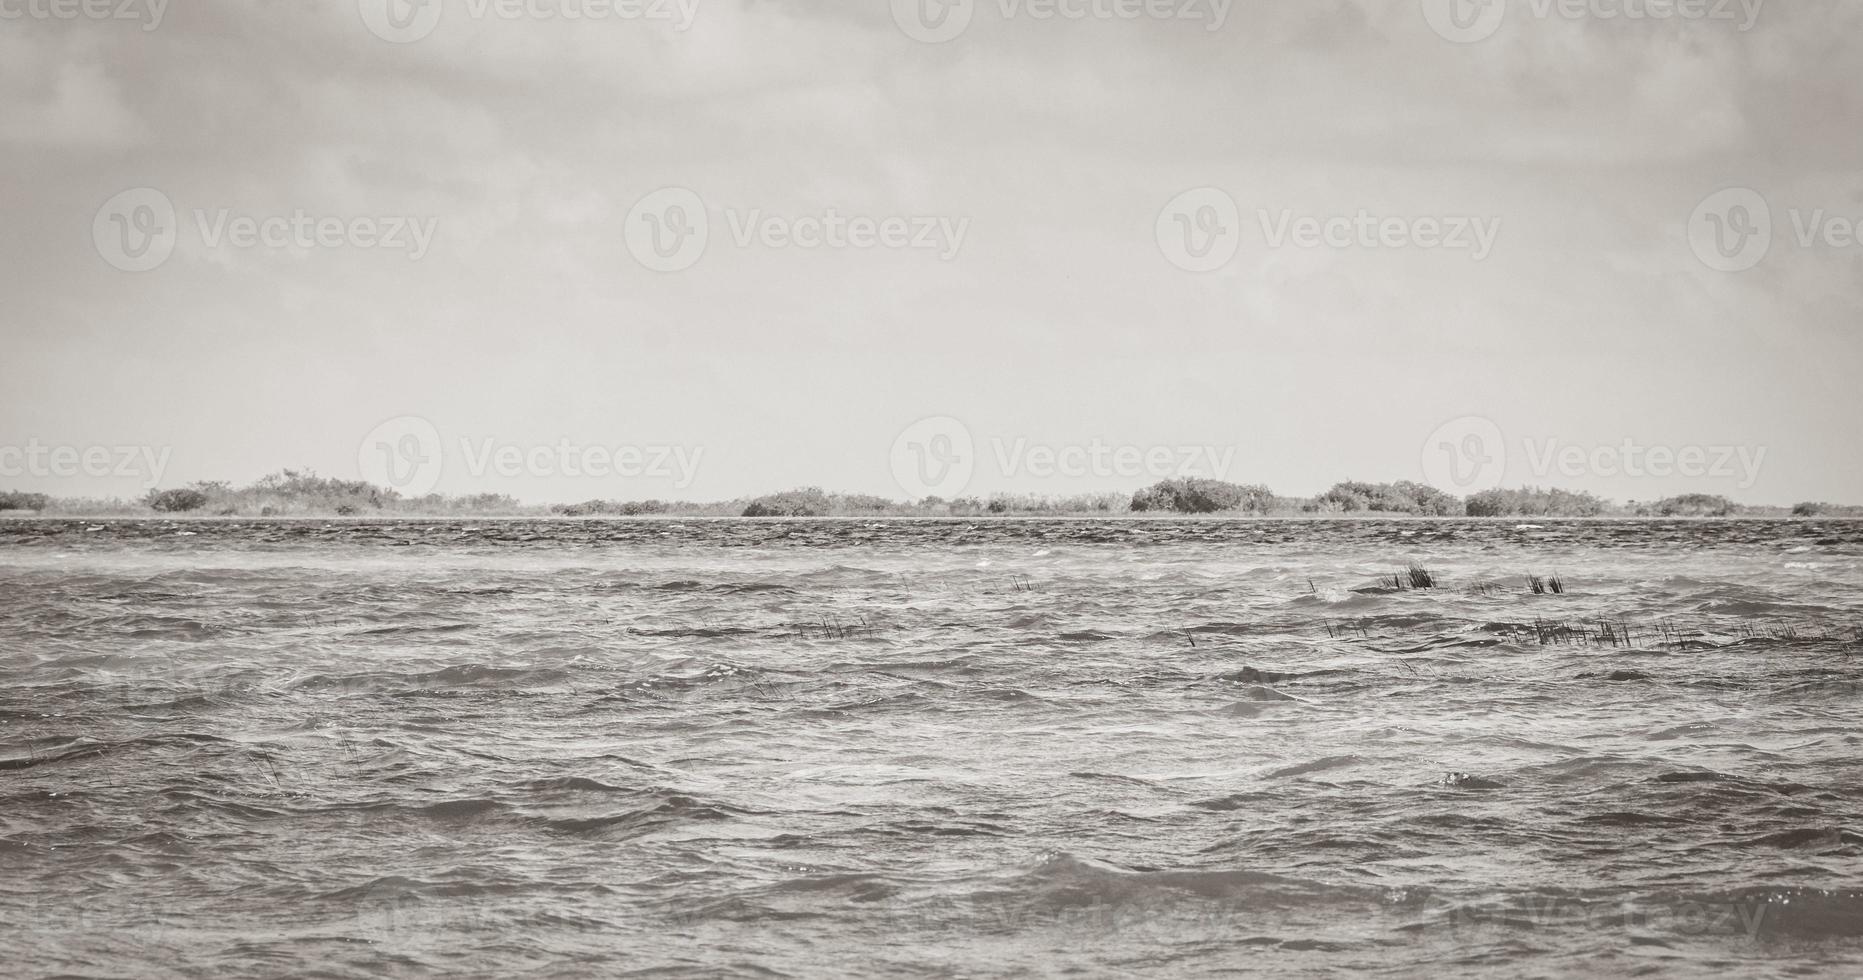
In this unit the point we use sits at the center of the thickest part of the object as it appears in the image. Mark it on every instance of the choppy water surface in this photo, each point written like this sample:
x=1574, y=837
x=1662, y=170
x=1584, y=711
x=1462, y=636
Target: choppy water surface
x=841, y=748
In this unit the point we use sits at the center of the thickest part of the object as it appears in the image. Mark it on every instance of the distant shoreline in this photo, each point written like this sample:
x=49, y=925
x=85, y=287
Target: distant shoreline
x=1138, y=517
x=303, y=495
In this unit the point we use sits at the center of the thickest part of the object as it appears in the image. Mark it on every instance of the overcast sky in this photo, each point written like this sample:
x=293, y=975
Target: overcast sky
x=1036, y=160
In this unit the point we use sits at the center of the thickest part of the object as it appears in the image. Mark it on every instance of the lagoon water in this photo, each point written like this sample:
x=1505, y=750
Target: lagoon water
x=929, y=748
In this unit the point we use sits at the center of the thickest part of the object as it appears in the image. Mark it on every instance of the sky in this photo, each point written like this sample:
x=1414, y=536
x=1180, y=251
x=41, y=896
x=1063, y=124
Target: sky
x=576, y=249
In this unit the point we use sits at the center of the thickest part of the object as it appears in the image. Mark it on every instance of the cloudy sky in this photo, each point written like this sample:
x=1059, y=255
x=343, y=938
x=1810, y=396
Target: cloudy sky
x=251, y=235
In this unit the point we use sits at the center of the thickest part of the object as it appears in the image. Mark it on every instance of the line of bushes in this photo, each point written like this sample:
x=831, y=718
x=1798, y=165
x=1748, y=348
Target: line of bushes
x=1689, y=505
x=1810, y=509
x=302, y=492
x=1192, y=495
x=1534, y=502
x=1402, y=497
x=20, y=500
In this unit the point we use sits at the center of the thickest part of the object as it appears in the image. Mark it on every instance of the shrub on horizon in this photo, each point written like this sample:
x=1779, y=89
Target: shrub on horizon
x=1695, y=505
x=861, y=503
x=1402, y=497
x=801, y=502
x=20, y=500
x=176, y=501
x=617, y=508
x=1093, y=503
x=1820, y=509
x=1196, y=495
x=312, y=492
x=1533, y=502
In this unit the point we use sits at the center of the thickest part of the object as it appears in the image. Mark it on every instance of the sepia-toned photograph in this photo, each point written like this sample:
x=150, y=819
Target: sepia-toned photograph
x=931, y=488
